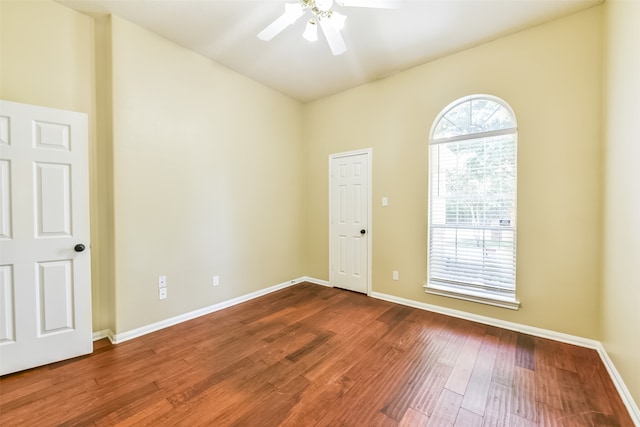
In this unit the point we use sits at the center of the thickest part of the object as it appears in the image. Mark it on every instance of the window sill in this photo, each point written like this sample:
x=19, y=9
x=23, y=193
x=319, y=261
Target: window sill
x=468, y=295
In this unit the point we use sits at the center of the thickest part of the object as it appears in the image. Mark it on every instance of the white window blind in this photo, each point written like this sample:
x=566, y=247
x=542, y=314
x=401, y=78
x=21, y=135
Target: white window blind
x=472, y=203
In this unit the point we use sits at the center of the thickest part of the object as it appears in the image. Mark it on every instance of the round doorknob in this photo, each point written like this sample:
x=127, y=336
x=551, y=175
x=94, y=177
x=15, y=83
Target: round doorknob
x=79, y=247
x=363, y=231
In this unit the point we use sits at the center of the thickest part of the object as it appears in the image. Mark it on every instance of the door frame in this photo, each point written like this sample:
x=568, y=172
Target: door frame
x=369, y=153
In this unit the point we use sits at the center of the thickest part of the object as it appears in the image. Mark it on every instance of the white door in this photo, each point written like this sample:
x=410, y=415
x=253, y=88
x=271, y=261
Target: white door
x=45, y=285
x=349, y=227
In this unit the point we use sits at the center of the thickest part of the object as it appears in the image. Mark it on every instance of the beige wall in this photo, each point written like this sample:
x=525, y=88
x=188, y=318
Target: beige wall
x=47, y=55
x=551, y=77
x=198, y=172
x=208, y=173
x=47, y=58
x=102, y=216
x=621, y=271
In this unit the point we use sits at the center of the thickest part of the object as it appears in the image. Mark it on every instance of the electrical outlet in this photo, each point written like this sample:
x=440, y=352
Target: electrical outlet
x=162, y=282
x=163, y=293
x=216, y=280
x=396, y=275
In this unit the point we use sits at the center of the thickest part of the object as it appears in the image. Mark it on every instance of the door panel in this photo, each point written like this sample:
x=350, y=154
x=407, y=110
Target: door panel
x=5, y=199
x=55, y=302
x=52, y=135
x=349, y=221
x=53, y=201
x=45, y=285
x=7, y=314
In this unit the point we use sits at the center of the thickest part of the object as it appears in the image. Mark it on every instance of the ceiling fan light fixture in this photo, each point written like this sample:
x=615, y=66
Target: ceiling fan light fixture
x=311, y=31
x=293, y=11
x=324, y=5
x=333, y=37
x=330, y=21
x=337, y=19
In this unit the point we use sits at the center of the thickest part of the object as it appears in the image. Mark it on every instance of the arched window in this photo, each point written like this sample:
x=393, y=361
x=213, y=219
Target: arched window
x=472, y=202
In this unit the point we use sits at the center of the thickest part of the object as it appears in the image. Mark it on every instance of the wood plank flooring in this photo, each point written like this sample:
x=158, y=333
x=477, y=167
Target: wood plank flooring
x=316, y=356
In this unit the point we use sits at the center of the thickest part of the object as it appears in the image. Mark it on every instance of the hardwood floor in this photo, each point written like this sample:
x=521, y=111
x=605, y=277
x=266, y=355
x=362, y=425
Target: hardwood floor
x=311, y=355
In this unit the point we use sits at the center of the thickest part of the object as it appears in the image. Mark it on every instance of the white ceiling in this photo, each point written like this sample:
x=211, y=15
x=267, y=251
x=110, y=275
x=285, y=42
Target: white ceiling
x=380, y=42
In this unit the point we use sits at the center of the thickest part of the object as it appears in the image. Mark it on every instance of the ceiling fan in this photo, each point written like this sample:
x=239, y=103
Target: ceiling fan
x=322, y=13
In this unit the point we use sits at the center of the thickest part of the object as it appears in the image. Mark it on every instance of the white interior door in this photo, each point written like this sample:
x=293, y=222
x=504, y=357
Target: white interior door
x=45, y=276
x=349, y=228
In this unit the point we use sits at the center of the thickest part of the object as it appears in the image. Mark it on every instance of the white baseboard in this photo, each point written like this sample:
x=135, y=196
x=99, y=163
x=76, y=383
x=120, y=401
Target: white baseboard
x=625, y=395
x=531, y=330
x=623, y=391
x=315, y=281
x=138, y=332
x=105, y=333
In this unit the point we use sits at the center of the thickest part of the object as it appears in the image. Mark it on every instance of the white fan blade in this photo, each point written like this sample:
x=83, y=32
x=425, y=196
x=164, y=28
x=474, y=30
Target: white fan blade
x=292, y=11
x=378, y=4
x=333, y=36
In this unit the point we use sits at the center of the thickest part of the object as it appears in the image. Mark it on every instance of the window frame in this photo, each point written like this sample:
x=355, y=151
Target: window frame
x=470, y=293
